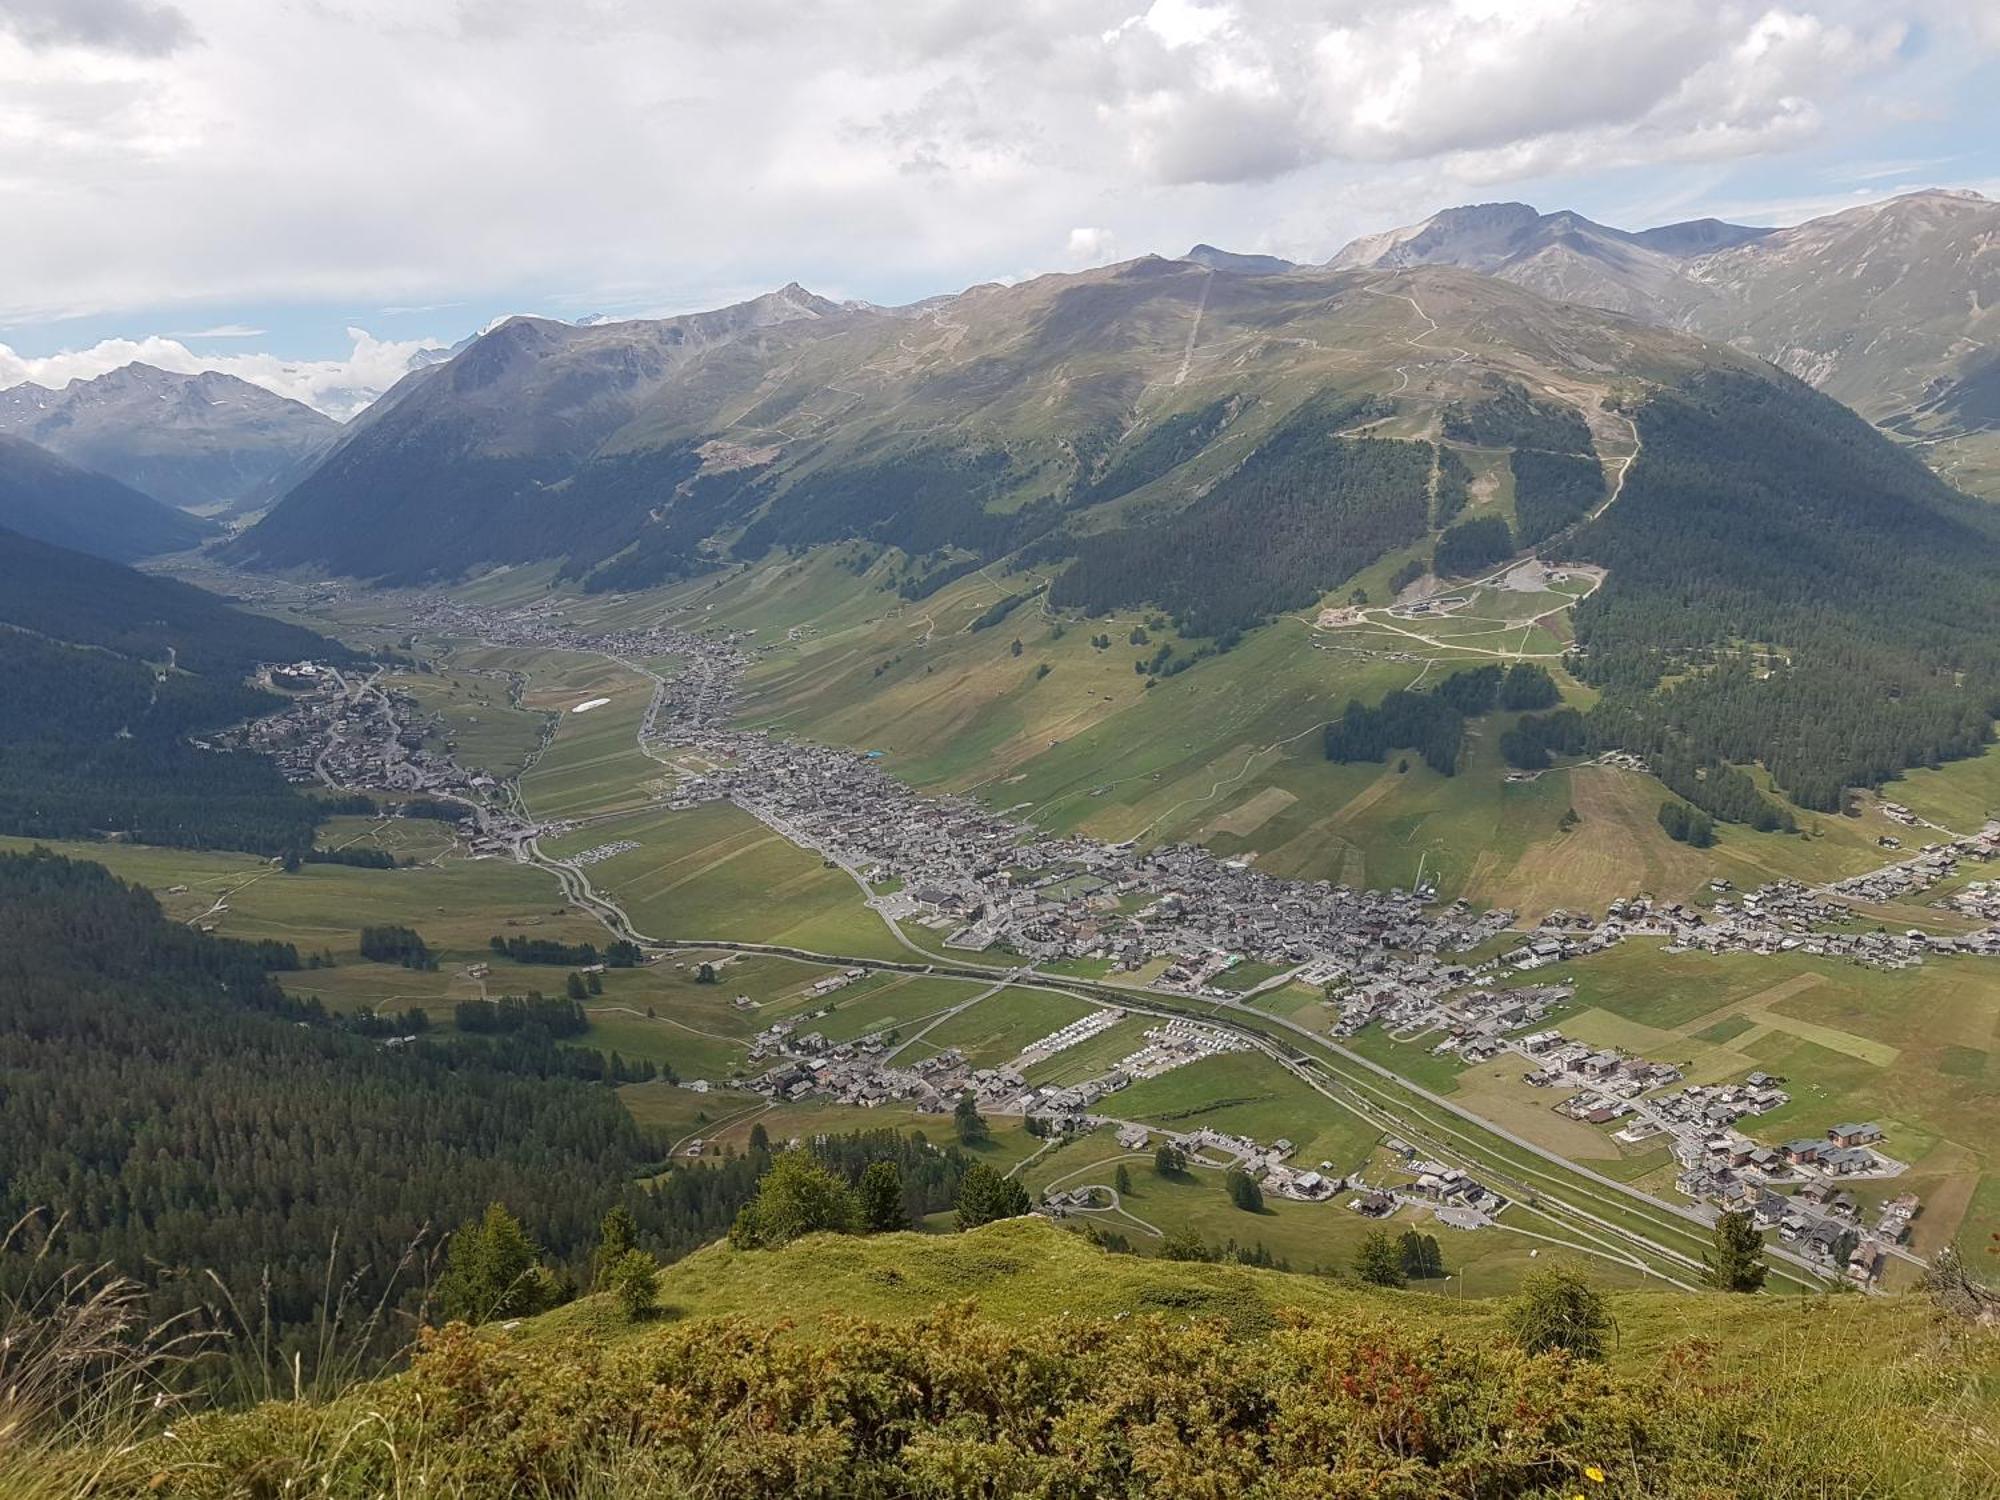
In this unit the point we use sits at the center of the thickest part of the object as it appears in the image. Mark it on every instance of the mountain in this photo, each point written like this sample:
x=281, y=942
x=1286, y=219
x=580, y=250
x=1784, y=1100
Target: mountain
x=108, y=673
x=1561, y=255
x=1891, y=306
x=1229, y=260
x=44, y=496
x=201, y=442
x=643, y=450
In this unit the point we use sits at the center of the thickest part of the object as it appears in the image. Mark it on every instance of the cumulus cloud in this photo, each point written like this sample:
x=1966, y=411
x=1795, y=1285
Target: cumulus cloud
x=338, y=387
x=1091, y=247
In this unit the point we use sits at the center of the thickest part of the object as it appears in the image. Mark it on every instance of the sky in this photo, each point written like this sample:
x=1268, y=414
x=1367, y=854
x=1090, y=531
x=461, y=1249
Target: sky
x=310, y=193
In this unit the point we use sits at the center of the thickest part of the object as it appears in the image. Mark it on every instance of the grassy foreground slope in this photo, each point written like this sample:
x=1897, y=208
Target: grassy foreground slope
x=1017, y=1360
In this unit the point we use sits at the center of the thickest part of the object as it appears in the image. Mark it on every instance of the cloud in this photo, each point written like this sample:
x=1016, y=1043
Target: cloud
x=622, y=154
x=220, y=331
x=1091, y=247
x=130, y=26
x=338, y=387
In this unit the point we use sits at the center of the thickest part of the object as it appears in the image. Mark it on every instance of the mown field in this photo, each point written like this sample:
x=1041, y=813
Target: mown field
x=716, y=872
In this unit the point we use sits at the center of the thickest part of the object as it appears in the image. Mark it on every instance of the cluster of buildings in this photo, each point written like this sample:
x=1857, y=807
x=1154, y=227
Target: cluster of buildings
x=1936, y=862
x=869, y=1070
x=1820, y=1216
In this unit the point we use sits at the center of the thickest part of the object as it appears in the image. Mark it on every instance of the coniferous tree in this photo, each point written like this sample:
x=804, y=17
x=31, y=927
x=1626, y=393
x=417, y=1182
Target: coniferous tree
x=634, y=1281
x=969, y=1123
x=881, y=1199
x=984, y=1195
x=493, y=1270
x=1245, y=1193
x=1556, y=1308
x=1736, y=1263
x=1378, y=1260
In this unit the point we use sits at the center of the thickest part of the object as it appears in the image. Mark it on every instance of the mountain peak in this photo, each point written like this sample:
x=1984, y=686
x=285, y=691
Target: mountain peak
x=1230, y=260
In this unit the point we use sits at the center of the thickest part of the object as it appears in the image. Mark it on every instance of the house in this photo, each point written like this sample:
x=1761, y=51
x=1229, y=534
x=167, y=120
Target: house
x=1133, y=1137
x=1375, y=1204
x=1854, y=1135
x=1802, y=1152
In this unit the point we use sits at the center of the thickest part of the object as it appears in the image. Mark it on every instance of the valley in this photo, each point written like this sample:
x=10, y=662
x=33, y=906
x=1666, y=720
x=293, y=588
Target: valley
x=779, y=903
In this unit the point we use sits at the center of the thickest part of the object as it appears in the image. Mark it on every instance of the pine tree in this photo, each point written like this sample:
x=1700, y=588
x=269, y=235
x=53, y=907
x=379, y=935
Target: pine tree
x=493, y=1270
x=1378, y=1261
x=1244, y=1192
x=1422, y=1260
x=881, y=1194
x=617, y=1236
x=574, y=987
x=1737, y=1264
x=968, y=1122
x=634, y=1279
x=1121, y=1180
x=984, y=1195
x=1184, y=1244
x=1169, y=1160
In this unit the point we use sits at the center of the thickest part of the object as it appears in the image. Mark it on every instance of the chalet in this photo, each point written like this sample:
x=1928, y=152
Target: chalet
x=1854, y=1135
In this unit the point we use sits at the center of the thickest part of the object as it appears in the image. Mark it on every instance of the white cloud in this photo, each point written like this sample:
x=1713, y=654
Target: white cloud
x=1091, y=247
x=619, y=153
x=338, y=387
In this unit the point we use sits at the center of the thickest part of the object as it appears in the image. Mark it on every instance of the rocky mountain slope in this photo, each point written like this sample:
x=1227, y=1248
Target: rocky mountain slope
x=1889, y=306
x=202, y=442
x=52, y=500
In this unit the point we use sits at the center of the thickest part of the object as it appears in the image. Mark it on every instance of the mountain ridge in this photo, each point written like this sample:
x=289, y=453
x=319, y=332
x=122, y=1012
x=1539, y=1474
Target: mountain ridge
x=201, y=441
x=45, y=496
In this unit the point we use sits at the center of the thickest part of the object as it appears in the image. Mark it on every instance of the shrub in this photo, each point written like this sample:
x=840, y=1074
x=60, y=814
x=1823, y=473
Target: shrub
x=1557, y=1308
x=798, y=1195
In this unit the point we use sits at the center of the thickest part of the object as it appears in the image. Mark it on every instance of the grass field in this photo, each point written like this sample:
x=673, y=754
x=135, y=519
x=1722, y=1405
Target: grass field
x=716, y=872
x=456, y=905
x=1227, y=752
x=593, y=764
x=1320, y=1237
x=483, y=727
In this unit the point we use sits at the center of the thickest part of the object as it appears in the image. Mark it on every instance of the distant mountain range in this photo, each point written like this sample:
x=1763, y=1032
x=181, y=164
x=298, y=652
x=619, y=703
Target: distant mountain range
x=1892, y=307
x=208, y=442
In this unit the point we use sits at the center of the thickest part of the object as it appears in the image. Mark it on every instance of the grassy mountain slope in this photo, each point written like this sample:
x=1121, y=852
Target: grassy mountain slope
x=968, y=425
x=52, y=499
x=1077, y=1373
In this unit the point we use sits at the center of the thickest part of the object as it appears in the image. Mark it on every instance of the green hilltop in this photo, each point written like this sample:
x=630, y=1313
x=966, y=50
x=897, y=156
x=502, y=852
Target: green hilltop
x=1018, y=1359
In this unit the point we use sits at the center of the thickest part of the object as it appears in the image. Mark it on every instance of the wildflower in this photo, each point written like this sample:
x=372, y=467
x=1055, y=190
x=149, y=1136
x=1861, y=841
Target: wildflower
x=1594, y=1474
